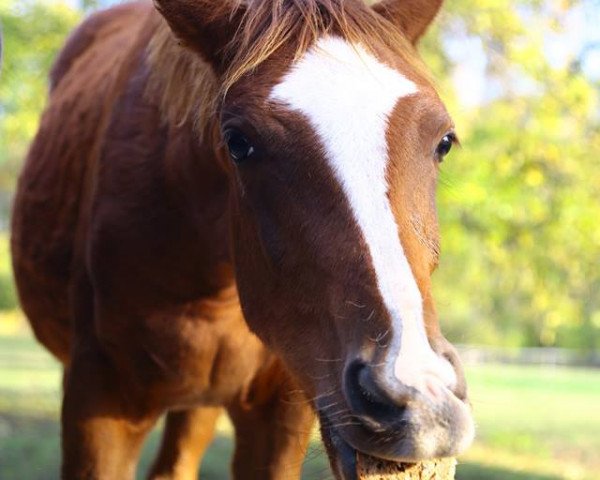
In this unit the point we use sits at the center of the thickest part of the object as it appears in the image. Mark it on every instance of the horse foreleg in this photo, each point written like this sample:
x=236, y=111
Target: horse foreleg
x=102, y=432
x=186, y=436
x=271, y=434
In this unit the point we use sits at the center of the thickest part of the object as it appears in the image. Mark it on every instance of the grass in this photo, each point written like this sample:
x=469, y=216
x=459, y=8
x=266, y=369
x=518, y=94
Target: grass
x=534, y=423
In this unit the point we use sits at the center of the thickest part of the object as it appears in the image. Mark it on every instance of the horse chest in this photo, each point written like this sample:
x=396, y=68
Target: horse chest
x=201, y=354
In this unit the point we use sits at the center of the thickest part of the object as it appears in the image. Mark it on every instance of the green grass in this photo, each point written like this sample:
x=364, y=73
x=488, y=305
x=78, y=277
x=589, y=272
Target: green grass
x=534, y=423
x=547, y=411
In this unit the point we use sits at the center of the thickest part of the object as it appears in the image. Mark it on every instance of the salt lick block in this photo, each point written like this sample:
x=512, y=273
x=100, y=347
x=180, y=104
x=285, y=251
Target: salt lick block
x=370, y=468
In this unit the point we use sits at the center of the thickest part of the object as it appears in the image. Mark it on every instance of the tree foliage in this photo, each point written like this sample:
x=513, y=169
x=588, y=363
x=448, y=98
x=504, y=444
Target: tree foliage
x=519, y=203
x=33, y=33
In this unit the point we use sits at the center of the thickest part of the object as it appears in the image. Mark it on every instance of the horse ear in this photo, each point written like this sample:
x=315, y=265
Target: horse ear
x=411, y=16
x=206, y=26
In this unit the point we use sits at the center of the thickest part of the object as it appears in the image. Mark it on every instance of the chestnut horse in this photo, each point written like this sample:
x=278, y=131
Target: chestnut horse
x=230, y=205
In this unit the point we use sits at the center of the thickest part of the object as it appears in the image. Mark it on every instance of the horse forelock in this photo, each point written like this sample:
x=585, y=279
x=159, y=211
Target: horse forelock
x=188, y=87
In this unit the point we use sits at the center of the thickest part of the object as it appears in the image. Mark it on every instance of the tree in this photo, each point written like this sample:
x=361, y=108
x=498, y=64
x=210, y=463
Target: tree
x=33, y=33
x=520, y=202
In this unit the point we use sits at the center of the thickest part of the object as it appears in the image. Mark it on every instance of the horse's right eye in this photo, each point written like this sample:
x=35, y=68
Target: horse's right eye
x=240, y=148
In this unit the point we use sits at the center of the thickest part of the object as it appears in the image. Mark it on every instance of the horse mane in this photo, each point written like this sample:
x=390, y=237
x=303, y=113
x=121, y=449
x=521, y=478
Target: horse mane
x=184, y=84
x=189, y=89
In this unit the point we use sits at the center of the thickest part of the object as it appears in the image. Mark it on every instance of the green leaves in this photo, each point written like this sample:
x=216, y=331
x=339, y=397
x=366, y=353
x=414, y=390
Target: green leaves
x=520, y=203
x=33, y=33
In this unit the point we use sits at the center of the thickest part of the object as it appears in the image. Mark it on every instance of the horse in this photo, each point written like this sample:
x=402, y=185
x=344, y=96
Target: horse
x=229, y=206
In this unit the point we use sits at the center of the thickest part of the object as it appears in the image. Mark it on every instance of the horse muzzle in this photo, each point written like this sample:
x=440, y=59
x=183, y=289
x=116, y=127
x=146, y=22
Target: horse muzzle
x=392, y=421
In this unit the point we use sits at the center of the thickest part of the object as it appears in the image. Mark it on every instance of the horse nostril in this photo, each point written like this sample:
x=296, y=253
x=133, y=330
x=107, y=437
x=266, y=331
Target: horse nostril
x=460, y=388
x=366, y=398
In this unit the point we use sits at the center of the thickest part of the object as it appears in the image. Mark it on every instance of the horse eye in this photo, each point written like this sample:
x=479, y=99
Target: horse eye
x=444, y=147
x=240, y=148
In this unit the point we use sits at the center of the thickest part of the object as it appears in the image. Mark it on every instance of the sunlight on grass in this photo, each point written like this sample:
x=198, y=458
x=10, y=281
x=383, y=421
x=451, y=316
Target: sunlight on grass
x=542, y=411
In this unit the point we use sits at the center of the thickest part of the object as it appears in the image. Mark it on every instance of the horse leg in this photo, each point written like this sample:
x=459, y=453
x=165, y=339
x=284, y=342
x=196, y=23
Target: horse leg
x=271, y=434
x=102, y=432
x=186, y=436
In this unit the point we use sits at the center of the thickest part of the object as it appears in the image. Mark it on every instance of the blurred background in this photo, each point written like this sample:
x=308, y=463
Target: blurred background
x=518, y=287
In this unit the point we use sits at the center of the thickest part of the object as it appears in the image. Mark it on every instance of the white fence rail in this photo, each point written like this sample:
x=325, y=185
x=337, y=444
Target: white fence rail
x=473, y=355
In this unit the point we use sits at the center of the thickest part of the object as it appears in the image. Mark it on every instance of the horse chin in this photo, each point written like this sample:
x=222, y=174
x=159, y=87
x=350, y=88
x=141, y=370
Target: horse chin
x=421, y=439
x=342, y=455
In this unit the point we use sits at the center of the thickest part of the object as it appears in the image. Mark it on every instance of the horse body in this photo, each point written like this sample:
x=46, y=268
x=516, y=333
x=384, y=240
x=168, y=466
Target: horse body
x=144, y=216
x=129, y=245
x=154, y=248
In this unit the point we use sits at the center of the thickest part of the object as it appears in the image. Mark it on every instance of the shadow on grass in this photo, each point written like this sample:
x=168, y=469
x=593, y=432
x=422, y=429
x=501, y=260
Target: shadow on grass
x=30, y=450
x=29, y=447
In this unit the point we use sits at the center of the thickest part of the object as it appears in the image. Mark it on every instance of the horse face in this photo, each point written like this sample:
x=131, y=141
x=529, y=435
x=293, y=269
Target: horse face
x=335, y=238
x=333, y=160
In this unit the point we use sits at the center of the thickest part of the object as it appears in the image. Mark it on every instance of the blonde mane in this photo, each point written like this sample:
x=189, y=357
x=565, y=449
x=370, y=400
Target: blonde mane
x=187, y=86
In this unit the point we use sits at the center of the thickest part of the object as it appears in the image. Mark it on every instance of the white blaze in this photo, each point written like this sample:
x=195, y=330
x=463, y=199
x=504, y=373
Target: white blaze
x=348, y=96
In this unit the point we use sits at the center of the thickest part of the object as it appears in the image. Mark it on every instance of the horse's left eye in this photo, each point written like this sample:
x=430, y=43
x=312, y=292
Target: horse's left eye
x=444, y=146
x=240, y=148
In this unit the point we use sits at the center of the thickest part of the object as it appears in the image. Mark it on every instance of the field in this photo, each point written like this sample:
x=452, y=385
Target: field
x=535, y=423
